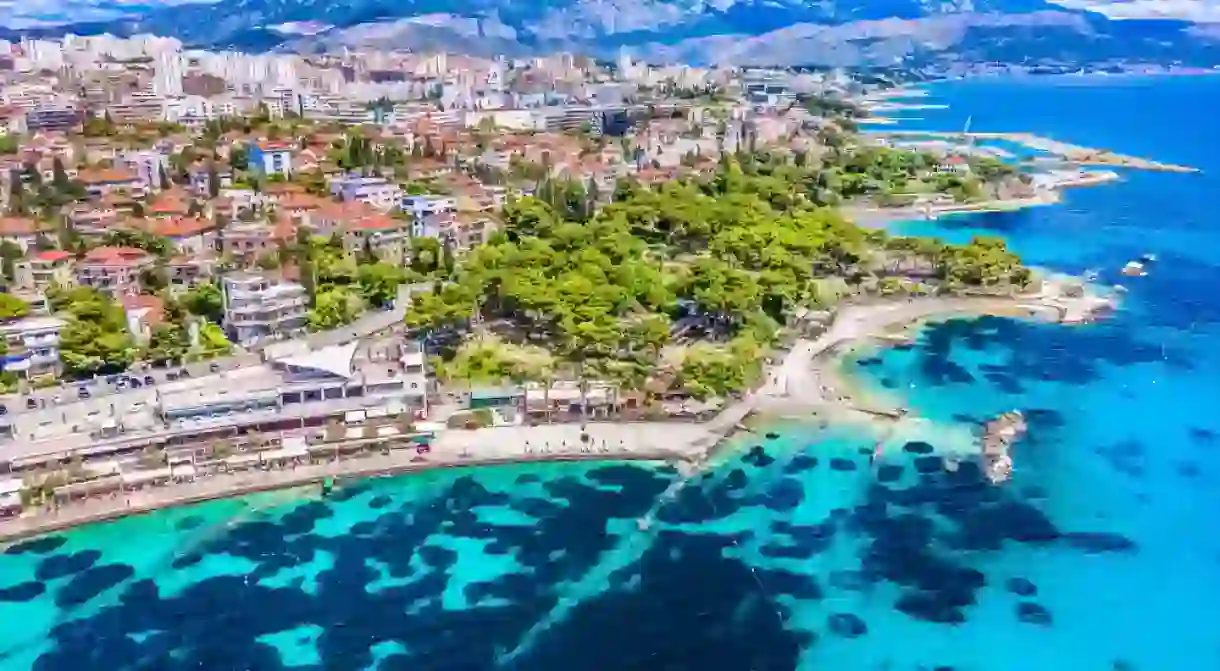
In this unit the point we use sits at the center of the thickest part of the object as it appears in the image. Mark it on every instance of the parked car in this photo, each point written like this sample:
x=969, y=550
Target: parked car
x=3, y=409
x=83, y=392
x=31, y=403
x=148, y=380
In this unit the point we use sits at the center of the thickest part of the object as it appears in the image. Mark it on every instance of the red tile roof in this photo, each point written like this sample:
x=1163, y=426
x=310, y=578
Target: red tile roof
x=105, y=176
x=52, y=256
x=154, y=305
x=18, y=226
x=177, y=227
x=116, y=256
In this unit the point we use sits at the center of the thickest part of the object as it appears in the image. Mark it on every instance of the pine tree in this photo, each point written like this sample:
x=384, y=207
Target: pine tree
x=213, y=181
x=60, y=175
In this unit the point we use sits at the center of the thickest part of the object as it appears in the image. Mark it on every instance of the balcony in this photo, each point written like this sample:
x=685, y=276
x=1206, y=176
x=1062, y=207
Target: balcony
x=294, y=304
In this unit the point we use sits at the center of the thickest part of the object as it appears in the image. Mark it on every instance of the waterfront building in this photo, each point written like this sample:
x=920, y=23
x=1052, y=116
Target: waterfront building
x=257, y=309
x=289, y=394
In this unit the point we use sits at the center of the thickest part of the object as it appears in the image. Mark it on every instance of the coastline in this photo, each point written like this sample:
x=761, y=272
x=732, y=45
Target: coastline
x=238, y=484
x=809, y=382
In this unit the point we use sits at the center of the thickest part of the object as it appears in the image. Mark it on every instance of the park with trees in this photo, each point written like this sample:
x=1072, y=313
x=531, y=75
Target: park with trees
x=692, y=280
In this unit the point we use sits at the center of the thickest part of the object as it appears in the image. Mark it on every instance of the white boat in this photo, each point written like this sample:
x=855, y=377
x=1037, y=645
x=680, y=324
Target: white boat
x=1148, y=258
x=1134, y=269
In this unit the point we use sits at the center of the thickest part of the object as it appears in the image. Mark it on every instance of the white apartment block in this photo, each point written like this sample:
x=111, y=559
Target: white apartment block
x=257, y=309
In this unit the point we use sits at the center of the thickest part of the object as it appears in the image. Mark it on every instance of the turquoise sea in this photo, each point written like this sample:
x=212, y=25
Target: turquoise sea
x=1100, y=555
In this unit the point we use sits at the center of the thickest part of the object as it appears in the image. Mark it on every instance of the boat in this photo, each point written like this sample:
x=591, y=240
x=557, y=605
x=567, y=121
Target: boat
x=1134, y=269
x=1148, y=258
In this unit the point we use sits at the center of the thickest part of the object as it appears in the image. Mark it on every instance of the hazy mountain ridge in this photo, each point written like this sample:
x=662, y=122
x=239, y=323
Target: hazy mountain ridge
x=840, y=32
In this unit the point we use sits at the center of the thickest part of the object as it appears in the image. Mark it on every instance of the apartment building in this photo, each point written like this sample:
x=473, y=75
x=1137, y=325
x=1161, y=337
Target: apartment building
x=113, y=270
x=376, y=192
x=32, y=347
x=361, y=228
x=247, y=240
x=45, y=270
x=100, y=182
x=420, y=206
x=257, y=309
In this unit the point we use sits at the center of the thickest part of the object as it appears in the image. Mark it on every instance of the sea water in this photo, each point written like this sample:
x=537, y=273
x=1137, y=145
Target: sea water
x=796, y=552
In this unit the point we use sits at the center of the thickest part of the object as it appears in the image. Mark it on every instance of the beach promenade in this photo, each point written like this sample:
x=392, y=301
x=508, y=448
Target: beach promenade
x=644, y=441
x=804, y=380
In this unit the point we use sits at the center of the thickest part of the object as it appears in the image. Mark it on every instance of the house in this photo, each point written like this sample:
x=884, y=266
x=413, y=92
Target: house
x=188, y=271
x=100, y=182
x=256, y=309
x=45, y=270
x=420, y=206
x=376, y=192
x=190, y=235
x=361, y=228
x=32, y=347
x=201, y=180
x=249, y=240
x=20, y=231
x=144, y=312
x=954, y=164
x=463, y=230
x=271, y=158
x=113, y=270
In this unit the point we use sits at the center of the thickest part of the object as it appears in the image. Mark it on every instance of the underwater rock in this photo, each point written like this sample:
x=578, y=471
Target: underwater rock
x=889, y=473
x=1022, y=587
x=918, y=447
x=1096, y=542
x=841, y=464
x=26, y=591
x=846, y=625
x=800, y=463
x=37, y=546
x=1032, y=613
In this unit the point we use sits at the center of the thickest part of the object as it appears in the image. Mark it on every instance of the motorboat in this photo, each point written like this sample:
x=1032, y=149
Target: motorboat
x=1148, y=258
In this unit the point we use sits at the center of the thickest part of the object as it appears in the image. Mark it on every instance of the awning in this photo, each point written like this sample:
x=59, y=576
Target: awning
x=336, y=360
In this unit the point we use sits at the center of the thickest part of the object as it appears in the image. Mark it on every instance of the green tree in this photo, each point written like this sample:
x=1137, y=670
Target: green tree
x=10, y=254
x=205, y=300
x=379, y=283
x=334, y=307
x=12, y=307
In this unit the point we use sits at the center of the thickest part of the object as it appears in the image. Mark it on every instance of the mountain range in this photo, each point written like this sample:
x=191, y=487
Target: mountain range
x=791, y=32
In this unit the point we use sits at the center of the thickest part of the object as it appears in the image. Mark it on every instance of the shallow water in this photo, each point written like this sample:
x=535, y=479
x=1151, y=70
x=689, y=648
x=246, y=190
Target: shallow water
x=1099, y=554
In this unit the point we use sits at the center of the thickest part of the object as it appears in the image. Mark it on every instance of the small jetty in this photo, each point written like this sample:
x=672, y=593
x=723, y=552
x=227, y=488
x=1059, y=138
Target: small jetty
x=1066, y=152
x=999, y=434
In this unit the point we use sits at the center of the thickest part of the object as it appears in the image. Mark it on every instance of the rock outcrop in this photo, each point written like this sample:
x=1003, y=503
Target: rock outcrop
x=999, y=435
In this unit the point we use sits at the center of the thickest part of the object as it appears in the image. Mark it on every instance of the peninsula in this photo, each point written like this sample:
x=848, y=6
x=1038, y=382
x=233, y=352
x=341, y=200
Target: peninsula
x=393, y=298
